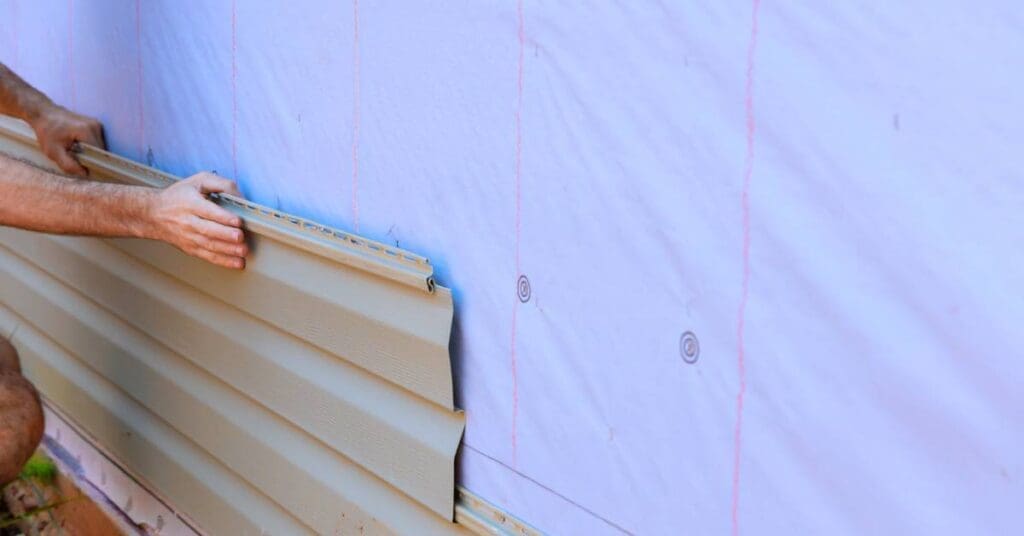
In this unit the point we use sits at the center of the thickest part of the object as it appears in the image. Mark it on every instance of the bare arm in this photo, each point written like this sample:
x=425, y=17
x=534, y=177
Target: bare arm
x=57, y=128
x=19, y=99
x=180, y=214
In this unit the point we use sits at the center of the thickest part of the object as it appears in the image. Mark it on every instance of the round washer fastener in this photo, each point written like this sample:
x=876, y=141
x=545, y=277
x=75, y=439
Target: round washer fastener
x=689, y=347
x=523, y=289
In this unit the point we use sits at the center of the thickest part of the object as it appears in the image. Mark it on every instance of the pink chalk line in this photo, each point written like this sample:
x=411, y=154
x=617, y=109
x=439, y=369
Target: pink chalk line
x=748, y=172
x=71, y=51
x=142, y=110
x=518, y=181
x=14, y=30
x=234, y=92
x=355, y=114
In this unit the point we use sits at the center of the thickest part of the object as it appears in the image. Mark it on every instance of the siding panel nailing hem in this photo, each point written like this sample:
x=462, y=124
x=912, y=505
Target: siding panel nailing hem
x=375, y=257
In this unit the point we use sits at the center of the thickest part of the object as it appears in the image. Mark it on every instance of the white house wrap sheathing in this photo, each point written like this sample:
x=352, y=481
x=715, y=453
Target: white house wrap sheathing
x=815, y=203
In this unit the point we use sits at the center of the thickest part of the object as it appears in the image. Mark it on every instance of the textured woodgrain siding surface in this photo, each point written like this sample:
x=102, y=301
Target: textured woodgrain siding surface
x=301, y=395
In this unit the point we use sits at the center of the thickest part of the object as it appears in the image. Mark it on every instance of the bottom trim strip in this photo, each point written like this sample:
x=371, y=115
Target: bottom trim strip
x=91, y=467
x=485, y=519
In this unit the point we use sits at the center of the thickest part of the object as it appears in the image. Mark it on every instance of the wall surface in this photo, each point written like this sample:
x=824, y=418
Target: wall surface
x=825, y=195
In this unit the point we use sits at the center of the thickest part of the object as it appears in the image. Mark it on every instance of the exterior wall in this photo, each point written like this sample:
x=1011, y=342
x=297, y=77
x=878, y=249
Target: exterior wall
x=768, y=250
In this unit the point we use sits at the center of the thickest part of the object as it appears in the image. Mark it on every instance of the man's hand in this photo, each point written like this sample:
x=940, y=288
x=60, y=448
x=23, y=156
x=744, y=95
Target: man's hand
x=182, y=216
x=58, y=129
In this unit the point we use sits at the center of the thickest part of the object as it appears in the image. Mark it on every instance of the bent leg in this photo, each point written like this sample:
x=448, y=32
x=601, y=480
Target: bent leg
x=21, y=415
x=9, y=361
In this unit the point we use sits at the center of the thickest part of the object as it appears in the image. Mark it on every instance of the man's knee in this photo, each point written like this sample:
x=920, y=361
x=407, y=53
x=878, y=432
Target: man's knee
x=21, y=424
x=9, y=361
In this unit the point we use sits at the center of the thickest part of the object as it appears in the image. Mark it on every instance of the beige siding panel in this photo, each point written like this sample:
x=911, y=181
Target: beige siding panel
x=330, y=307
x=319, y=386
x=381, y=426
x=168, y=461
x=301, y=474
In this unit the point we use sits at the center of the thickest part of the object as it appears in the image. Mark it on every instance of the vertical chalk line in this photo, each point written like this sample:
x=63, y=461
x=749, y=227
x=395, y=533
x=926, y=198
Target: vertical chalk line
x=518, y=196
x=71, y=52
x=15, y=63
x=138, y=85
x=355, y=114
x=234, y=91
x=748, y=171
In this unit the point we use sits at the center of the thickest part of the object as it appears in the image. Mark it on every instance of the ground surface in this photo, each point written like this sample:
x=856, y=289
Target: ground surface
x=50, y=507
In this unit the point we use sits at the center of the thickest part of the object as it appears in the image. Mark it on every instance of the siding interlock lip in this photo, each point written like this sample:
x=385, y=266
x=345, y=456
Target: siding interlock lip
x=369, y=255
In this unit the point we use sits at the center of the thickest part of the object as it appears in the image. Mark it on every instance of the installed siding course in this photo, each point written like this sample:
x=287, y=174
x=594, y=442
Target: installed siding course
x=303, y=394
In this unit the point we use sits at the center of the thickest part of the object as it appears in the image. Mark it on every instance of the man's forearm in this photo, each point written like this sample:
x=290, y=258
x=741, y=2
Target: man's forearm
x=19, y=99
x=33, y=199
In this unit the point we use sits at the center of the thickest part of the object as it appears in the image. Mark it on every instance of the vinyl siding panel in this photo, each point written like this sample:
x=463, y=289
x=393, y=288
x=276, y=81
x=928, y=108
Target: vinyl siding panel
x=199, y=484
x=304, y=394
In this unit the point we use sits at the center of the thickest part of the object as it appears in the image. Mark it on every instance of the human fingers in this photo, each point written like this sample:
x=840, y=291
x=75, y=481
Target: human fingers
x=217, y=231
x=65, y=160
x=208, y=210
x=90, y=132
x=96, y=135
x=222, y=247
x=209, y=183
x=220, y=259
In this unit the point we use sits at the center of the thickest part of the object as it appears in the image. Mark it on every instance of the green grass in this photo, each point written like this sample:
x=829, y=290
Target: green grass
x=40, y=467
